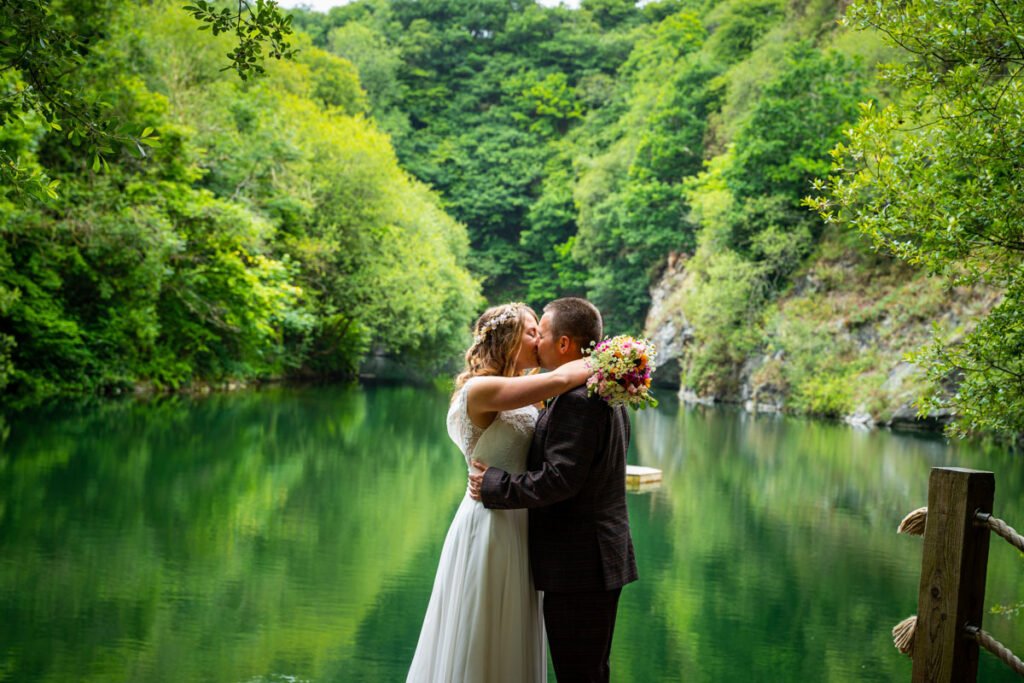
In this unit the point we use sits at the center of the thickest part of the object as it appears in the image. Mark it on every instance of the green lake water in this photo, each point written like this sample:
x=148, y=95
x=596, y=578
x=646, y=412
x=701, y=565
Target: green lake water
x=291, y=534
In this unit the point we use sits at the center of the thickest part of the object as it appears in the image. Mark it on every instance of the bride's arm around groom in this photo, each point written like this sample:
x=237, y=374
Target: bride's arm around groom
x=577, y=432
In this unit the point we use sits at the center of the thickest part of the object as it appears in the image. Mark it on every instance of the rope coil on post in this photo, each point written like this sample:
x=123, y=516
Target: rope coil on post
x=913, y=523
x=1000, y=527
x=986, y=641
x=903, y=635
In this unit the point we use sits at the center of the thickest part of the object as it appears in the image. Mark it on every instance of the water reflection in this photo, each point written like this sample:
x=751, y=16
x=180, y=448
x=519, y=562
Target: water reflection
x=227, y=539
x=770, y=547
x=292, y=534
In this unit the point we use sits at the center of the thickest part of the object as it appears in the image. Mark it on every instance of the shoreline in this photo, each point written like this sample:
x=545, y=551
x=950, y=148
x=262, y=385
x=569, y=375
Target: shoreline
x=144, y=392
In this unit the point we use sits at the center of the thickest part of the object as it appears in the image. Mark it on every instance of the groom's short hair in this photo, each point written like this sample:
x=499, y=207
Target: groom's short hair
x=577, y=319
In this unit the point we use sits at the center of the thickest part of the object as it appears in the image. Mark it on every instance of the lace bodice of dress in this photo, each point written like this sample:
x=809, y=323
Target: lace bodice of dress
x=505, y=443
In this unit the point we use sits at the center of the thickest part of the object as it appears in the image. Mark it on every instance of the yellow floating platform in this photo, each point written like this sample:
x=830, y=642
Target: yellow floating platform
x=639, y=479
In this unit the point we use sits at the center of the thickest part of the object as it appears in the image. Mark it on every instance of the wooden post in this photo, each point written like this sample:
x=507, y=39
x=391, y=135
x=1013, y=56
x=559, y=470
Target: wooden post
x=952, y=590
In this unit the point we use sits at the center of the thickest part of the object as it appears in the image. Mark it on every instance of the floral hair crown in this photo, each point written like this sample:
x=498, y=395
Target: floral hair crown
x=497, y=321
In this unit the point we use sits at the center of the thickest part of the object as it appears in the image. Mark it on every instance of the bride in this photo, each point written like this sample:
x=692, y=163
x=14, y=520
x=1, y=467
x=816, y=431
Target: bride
x=484, y=622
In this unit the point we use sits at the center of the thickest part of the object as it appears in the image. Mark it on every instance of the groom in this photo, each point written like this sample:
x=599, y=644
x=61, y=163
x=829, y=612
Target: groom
x=581, y=552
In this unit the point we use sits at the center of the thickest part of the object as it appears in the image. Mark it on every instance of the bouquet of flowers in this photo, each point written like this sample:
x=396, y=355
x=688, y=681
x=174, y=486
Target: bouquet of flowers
x=622, y=368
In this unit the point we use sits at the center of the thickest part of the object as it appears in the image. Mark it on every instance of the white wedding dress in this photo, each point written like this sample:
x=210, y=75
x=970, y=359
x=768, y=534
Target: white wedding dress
x=484, y=622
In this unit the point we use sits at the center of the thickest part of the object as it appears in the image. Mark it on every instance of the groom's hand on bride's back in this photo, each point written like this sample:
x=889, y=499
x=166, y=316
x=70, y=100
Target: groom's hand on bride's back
x=476, y=479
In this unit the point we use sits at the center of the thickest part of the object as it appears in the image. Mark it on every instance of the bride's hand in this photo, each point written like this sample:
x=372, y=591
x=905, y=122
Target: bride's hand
x=577, y=371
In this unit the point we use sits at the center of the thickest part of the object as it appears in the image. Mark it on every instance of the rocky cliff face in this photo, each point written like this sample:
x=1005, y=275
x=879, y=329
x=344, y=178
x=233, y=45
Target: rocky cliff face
x=666, y=323
x=834, y=343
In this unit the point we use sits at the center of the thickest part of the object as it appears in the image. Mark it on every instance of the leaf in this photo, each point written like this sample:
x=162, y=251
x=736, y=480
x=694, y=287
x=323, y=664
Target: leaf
x=96, y=163
x=146, y=132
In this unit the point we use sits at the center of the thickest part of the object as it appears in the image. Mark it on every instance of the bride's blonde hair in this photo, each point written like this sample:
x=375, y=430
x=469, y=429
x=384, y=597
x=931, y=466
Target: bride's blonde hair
x=496, y=338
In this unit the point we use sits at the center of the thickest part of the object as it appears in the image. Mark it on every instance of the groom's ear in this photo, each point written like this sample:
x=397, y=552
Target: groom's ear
x=564, y=344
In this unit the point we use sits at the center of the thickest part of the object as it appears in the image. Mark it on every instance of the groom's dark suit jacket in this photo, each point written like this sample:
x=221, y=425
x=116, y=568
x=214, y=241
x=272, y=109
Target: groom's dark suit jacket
x=575, y=488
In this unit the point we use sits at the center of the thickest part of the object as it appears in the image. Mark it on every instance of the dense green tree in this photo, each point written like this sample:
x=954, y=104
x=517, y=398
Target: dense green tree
x=754, y=235
x=564, y=139
x=632, y=211
x=737, y=26
x=784, y=144
x=610, y=13
x=378, y=63
x=271, y=232
x=935, y=178
x=44, y=42
x=485, y=95
x=271, y=227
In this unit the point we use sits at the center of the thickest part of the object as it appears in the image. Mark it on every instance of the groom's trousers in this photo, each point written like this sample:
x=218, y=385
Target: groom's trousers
x=579, y=628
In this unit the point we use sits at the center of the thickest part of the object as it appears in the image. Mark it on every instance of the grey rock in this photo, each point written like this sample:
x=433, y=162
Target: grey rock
x=758, y=407
x=861, y=418
x=905, y=418
x=666, y=324
x=898, y=375
x=688, y=395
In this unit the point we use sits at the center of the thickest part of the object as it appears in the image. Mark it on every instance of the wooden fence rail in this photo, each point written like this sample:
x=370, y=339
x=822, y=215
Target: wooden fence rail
x=944, y=637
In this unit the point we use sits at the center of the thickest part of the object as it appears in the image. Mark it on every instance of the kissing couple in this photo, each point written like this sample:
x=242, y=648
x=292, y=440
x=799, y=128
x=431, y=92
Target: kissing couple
x=541, y=540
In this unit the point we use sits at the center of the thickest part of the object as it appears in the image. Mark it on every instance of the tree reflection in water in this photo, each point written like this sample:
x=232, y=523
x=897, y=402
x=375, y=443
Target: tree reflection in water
x=295, y=532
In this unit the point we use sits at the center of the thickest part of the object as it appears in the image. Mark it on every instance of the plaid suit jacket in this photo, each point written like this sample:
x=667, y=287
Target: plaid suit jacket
x=575, y=488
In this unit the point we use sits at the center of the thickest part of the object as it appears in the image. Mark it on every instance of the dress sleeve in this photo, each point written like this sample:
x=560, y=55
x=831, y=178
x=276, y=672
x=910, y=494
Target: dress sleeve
x=458, y=420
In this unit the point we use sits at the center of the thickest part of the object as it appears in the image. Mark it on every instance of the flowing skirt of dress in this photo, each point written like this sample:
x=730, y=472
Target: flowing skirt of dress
x=484, y=622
